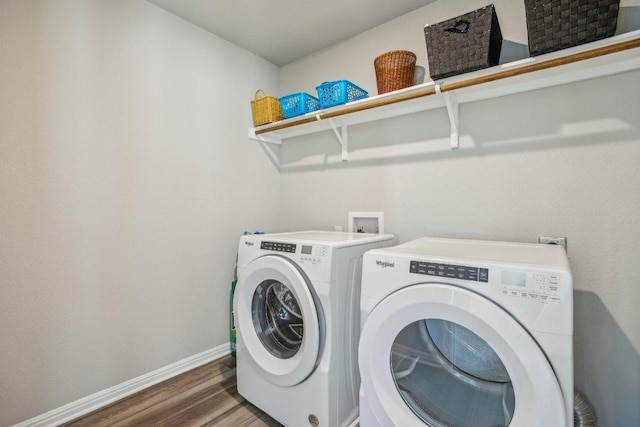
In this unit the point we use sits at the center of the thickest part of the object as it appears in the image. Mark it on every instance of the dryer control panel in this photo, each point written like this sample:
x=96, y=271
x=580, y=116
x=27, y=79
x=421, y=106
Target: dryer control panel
x=451, y=271
x=538, y=286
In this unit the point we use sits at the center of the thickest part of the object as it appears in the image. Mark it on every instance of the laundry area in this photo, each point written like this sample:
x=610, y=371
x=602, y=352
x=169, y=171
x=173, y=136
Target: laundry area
x=412, y=213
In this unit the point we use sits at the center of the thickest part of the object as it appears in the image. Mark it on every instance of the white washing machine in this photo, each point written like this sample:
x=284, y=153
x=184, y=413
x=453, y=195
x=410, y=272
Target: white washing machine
x=464, y=333
x=297, y=316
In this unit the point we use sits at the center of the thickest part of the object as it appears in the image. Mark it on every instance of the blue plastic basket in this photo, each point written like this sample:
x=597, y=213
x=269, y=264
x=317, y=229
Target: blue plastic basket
x=339, y=92
x=297, y=104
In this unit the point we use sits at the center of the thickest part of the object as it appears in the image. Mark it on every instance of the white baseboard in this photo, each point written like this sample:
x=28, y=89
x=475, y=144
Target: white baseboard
x=102, y=398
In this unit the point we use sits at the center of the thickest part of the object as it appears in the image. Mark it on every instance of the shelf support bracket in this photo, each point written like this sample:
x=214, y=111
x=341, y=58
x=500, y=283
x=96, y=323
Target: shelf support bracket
x=261, y=138
x=342, y=136
x=454, y=118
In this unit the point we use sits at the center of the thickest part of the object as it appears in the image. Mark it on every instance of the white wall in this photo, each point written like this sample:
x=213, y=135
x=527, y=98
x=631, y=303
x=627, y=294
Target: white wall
x=126, y=179
x=559, y=161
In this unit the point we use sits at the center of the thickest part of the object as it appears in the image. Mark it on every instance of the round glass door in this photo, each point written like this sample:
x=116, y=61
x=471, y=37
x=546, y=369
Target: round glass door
x=442, y=356
x=277, y=318
x=449, y=376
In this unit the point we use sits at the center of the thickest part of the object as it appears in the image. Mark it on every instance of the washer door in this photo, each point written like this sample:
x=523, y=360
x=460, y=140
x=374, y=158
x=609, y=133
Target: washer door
x=439, y=355
x=279, y=320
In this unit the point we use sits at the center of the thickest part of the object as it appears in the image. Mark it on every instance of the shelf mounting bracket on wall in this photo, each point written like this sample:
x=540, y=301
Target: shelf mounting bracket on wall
x=454, y=118
x=262, y=138
x=343, y=137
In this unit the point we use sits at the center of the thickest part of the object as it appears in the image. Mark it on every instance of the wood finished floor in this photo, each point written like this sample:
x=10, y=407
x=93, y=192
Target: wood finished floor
x=205, y=396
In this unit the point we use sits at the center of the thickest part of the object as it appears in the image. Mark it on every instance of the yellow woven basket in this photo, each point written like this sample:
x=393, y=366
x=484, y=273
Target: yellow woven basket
x=266, y=109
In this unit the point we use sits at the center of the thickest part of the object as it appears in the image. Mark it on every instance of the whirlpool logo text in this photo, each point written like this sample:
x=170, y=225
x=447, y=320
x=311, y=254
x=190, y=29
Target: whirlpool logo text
x=385, y=264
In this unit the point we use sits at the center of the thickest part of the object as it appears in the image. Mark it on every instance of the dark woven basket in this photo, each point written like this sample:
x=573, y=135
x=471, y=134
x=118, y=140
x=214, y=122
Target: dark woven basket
x=467, y=43
x=394, y=70
x=558, y=24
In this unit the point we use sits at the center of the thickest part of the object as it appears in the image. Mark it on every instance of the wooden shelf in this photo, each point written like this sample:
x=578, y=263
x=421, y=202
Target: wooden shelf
x=601, y=58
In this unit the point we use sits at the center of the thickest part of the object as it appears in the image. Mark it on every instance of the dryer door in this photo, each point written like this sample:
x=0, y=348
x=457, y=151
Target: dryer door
x=439, y=355
x=279, y=320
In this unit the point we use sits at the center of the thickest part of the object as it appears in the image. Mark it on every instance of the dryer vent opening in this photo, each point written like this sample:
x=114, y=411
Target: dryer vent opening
x=583, y=412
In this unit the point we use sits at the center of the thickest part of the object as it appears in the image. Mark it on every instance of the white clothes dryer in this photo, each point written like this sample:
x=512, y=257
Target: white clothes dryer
x=297, y=316
x=464, y=333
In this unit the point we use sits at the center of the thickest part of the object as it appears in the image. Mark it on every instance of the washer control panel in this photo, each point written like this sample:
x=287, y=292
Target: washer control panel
x=538, y=286
x=314, y=254
x=451, y=271
x=278, y=246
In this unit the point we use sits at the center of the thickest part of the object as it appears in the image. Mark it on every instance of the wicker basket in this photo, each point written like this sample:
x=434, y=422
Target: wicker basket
x=558, y=24
x=266, y=109
x=467, y=43
x=394, y=70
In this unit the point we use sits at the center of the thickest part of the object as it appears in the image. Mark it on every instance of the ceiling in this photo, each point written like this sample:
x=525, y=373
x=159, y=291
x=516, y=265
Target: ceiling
x=282, y=31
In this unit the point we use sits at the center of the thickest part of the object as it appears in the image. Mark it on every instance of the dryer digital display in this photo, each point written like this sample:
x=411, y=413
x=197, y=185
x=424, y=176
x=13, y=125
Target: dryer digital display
x=450, y=271
x=514, y=278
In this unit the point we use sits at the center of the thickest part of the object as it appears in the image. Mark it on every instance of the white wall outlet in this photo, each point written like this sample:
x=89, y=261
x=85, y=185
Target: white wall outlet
x=366, y=222
x=561, y=241
x=337, y=228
